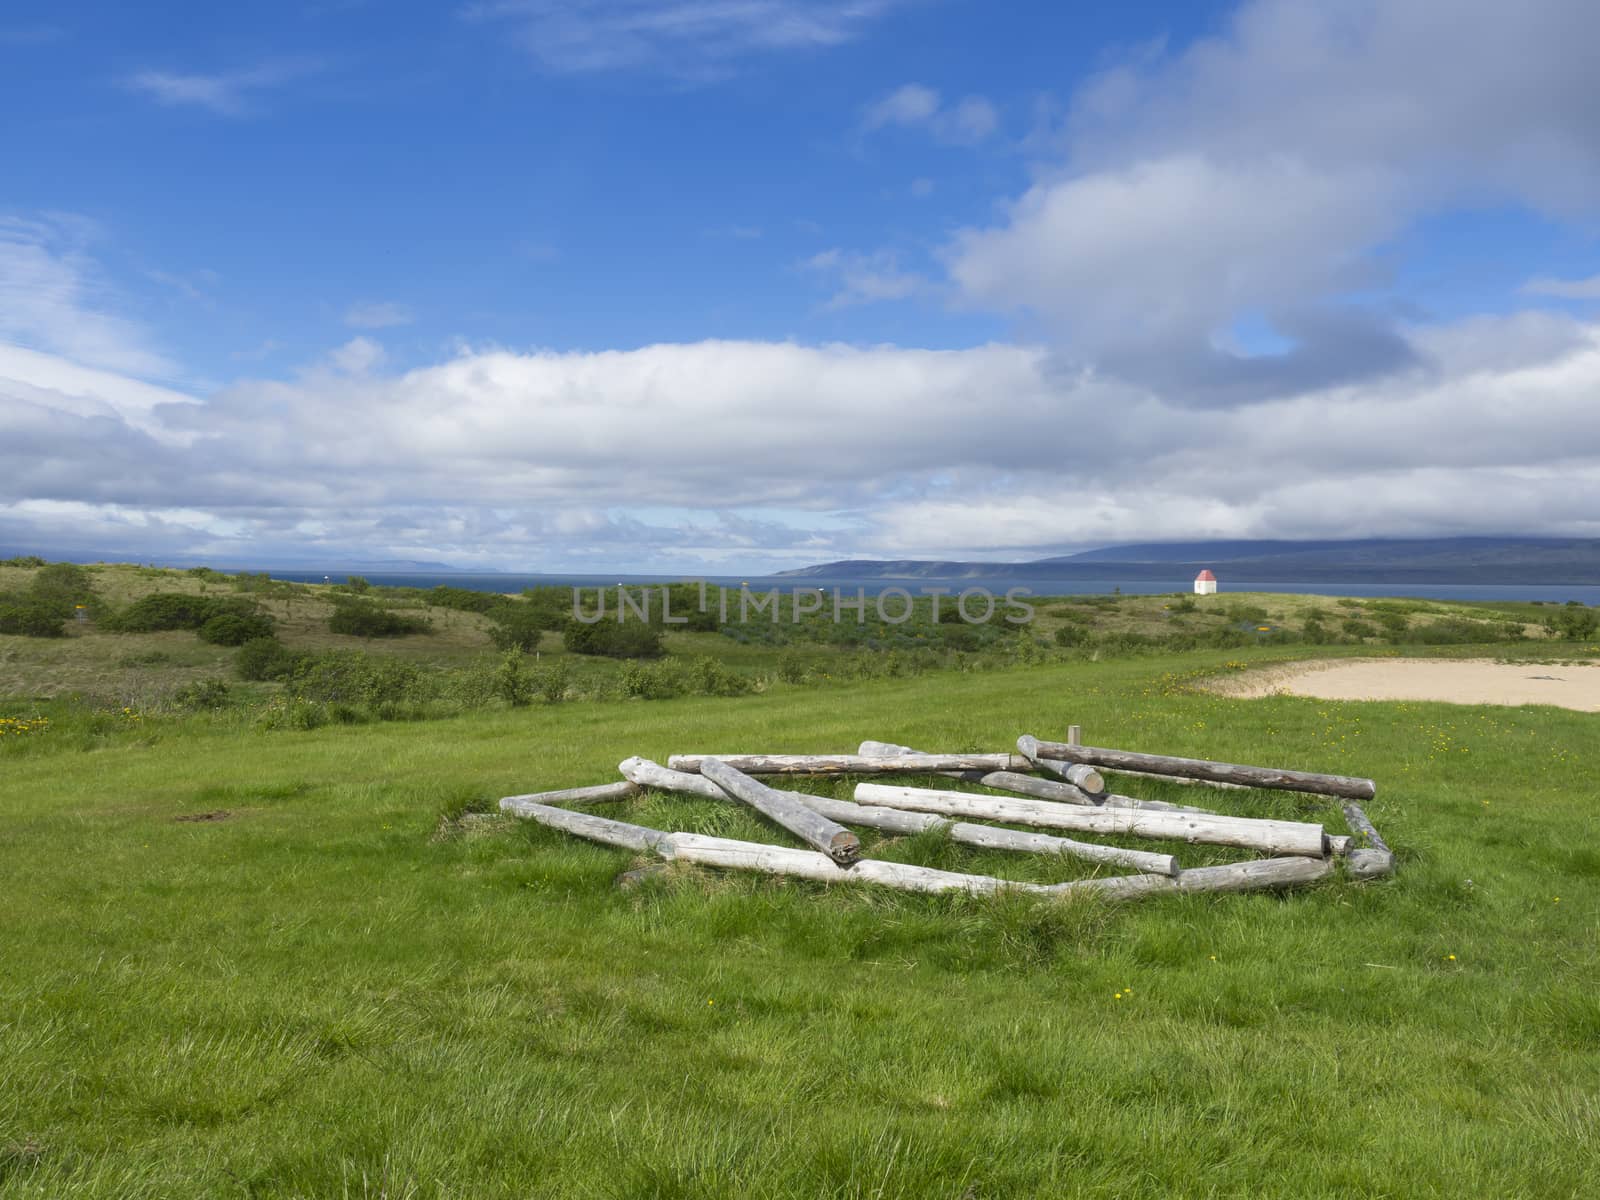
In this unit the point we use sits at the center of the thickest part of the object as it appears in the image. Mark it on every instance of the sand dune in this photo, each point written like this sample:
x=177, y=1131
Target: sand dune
x=1457, y=681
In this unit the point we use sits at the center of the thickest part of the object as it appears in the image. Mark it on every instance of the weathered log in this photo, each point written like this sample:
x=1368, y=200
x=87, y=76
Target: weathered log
x=653, y=775
x=807, y=864
x=1362, y=827
x=1180, y=780
x=1371, y=856
x=906, y=821
x=585, y=825
x=853, y=764
x=596, y=794
x=1256, y=875
x=810, y=826
x=780, y=860
x=1080, y=775
x=1196, y=768
x=1005, y=781
x=1274, y=837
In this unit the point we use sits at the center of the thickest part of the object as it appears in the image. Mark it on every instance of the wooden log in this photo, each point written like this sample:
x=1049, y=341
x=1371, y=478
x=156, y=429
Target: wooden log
x=853, y=764
x=1080, y=775
x=1196, y=768
x=1366, y=832
x=807, y=864
x=1180, y=781
x=653, y=775
x=1370, y=856
x=1005, y=781
x=780, y=860
x=905, y=821
x=585, y=825
x=1257, y=875
x=599, y=793
x=1040, y=789
x=872, y=749
x=810, y=826
x=1274, y=837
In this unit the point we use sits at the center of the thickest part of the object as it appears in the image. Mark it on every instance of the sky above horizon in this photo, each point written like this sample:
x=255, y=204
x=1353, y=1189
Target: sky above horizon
x=740, y=285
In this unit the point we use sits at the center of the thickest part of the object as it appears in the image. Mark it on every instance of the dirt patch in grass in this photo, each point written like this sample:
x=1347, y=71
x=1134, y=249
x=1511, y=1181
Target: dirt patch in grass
x=220, y=814
x=1455, y=681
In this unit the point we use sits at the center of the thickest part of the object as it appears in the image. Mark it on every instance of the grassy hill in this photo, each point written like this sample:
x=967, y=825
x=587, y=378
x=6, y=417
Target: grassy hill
x=148, y=669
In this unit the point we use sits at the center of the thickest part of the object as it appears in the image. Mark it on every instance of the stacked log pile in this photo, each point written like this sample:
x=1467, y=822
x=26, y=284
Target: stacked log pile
x=1045, y=785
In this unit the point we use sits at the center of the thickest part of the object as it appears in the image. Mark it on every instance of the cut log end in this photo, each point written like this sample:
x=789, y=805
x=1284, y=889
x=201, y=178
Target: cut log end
x=844, y=848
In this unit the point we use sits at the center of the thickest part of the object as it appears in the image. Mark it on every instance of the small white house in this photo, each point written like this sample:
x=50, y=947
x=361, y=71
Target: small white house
x=1205, y=584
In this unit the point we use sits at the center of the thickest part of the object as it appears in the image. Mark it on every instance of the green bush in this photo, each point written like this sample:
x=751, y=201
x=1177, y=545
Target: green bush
x=354, y=677
x=512, y=681
x=28, y=616
x=518, y=625
x=707, y=677
x=363, y=618
x=172, y=610
x=235, y=629
x=463, y=599
x=552, y=681
x=205, y=694
x=25, y=561
x=613, y=639
x=263, y=658
x=651, y=681
x=1353, y=627
x=1575, y=623
x=1183, y=604
x=1072, y=635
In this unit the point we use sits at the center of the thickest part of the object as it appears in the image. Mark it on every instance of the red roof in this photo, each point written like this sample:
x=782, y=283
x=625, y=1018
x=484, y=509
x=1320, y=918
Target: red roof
x=1206, y=574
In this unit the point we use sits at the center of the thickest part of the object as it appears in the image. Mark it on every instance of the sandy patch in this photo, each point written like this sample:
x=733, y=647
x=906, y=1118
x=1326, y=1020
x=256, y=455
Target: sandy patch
x=1456, y=681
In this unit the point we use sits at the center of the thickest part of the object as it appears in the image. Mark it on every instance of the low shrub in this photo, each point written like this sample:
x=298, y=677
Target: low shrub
x=613, y=639
x=355, y=677
x=203, y=695
x=513, y=683
x=28, y=616
x=26, y=561
x=518, y=625
x=707, y=677
x=235, y=629
x=263, y=658
x=161, y=611
x=363, y=618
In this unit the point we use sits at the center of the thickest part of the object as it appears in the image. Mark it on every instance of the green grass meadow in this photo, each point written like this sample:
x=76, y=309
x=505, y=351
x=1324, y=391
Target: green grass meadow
x=336, y=986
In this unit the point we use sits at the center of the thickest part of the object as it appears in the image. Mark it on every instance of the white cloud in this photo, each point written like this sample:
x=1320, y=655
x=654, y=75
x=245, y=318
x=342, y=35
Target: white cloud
x=1564, y=289
x=615, y=458
x=691, y=39
x=910, y=104
x=1260, y=172
x=228, y=93
x=378, y=314
x=53, y=298
x=916, y=106
x=357, y=356
x=865, y=278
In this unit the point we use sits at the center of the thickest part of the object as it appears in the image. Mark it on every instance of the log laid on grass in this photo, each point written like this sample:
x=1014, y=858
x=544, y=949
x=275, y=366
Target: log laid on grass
x=1078, y=774
x=853, y=764
x=653, y=775
x=1274, y=837
x=585, y=825
x=1004, y=781
x=810, y=826
x=1197, y=768
x=1370, y=855
x=600, y=792
x=906, y=821
x=779, y=860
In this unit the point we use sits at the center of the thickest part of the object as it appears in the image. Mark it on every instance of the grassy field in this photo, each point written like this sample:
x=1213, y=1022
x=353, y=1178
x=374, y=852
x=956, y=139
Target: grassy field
x=282, y=964
x=145, y=670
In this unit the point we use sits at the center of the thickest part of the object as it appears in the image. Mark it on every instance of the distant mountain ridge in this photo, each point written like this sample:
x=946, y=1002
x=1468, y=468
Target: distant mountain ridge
x=1463, y=560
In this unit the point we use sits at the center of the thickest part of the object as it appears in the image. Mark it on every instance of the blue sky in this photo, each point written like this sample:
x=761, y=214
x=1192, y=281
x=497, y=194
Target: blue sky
x=747, y=283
